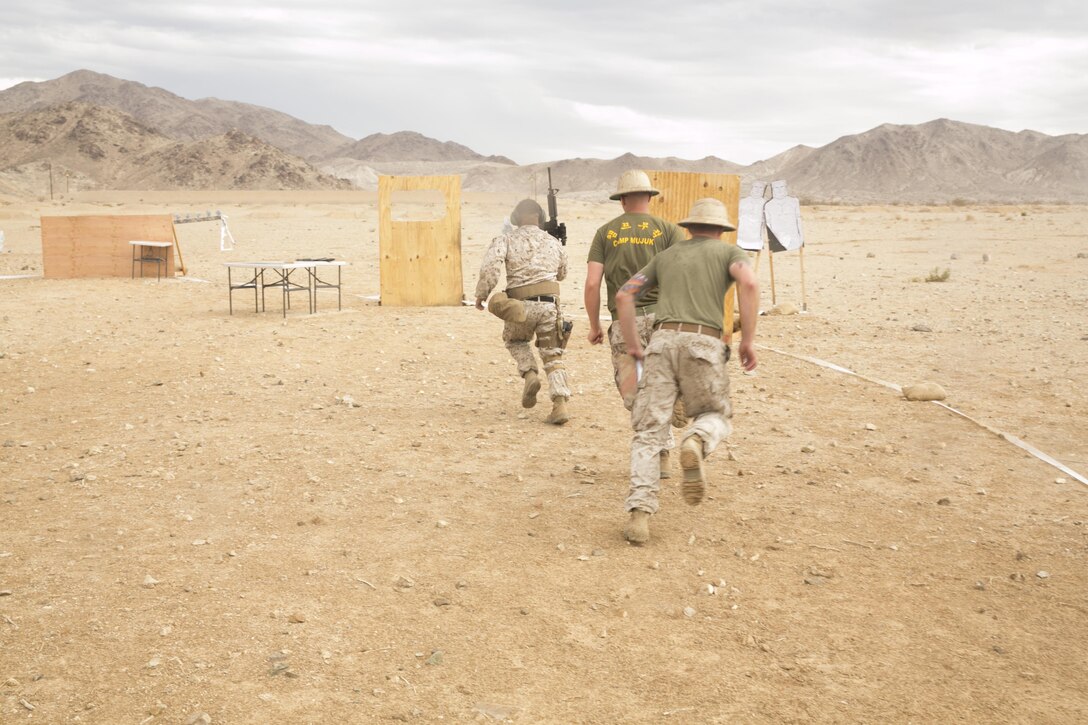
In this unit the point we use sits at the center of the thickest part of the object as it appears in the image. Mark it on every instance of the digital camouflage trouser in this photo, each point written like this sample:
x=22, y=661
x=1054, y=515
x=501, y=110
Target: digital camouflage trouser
x=623, y=365
x=541, y=322
x=688, y=364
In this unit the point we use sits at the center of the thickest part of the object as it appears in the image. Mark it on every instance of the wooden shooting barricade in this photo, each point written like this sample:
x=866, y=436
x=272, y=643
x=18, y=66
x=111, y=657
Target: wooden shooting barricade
x=100, y=246
x=420, y=261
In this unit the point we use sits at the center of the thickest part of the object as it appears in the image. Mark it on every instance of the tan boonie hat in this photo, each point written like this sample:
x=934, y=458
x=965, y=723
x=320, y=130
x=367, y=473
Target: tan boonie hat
x=634, y=182
x=709, y=212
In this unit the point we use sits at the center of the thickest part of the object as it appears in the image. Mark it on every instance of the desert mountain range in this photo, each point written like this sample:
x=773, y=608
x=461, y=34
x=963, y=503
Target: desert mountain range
x=102, y=132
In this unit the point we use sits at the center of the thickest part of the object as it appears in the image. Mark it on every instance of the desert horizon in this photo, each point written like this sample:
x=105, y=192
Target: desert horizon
x=87, y=130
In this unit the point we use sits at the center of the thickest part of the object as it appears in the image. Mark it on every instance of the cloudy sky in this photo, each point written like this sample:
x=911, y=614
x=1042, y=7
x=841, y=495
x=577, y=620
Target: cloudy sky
x=547, y=80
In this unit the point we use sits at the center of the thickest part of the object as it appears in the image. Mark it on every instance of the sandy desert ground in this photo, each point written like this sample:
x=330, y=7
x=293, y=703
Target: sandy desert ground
x=193, y=523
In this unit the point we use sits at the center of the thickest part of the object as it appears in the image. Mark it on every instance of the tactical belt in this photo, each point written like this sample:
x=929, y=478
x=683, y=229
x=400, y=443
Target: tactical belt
x=540, y=298
x=548, y=288
x=640, y=311
x=686, y=327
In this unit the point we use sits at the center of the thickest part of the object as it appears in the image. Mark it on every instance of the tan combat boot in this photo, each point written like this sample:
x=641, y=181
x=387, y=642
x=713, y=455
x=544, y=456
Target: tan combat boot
x=532, y=386
x=691, y=460
x=663, y=459
x=637, y=530
x=559, y=414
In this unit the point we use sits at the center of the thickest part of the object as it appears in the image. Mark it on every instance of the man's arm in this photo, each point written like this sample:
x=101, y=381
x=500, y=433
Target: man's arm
x=594, y=275
x=490, y=269
x=748, y=297
x=561, y=273
x=633, y=289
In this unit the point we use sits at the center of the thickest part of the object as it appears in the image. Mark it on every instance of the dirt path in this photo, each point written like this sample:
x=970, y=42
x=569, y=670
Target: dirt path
x=192, y=522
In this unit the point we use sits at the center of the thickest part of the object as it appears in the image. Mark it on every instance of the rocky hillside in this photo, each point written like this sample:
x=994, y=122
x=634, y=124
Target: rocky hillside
x=941, y=161
x=583, y=175
x=174, y=116
x=410, y=146
x=102, y=147
x=112, y=132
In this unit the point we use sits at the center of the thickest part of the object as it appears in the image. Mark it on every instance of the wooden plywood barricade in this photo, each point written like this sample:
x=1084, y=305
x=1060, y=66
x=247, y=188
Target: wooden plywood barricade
x=98, y=246
x=679, y=190
x=420, y=261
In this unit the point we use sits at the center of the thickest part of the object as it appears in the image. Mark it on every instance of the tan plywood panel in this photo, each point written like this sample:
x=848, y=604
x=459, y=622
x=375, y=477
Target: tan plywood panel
x=680, y=189
x=98, y=246
x=420, y=261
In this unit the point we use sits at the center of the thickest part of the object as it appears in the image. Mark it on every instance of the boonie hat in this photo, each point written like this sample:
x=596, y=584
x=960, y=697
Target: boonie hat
x=709, y=212
x=634, y=182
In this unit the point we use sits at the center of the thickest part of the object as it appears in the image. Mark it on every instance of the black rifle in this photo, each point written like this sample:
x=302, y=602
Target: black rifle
x=554, y=227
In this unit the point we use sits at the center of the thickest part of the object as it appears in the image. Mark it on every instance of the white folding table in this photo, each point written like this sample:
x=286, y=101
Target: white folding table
x=146, y=253
x=279, y=276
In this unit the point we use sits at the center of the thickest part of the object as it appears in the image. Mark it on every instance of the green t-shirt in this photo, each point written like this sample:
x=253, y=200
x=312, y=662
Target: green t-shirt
x=625, y=245
x=692, y=278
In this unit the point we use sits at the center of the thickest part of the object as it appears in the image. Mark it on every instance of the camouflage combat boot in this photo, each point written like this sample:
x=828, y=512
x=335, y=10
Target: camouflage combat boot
x=559, y=414
x=532, y=386
x=637, y=530
x=691, y=460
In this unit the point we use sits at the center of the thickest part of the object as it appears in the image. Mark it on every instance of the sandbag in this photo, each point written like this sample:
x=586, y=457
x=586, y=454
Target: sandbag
x=924, y=391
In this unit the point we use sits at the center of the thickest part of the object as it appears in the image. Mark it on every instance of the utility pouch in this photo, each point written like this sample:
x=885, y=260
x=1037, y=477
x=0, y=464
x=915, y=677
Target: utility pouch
x=505, y=308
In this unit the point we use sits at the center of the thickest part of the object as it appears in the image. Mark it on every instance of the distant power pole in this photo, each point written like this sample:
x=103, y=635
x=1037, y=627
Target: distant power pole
x=50, y=181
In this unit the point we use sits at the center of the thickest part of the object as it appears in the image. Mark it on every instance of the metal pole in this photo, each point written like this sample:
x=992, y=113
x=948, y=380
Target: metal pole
x=804, y=302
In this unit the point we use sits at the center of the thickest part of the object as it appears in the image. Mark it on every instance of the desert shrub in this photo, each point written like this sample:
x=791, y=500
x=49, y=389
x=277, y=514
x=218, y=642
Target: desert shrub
x=936, y=275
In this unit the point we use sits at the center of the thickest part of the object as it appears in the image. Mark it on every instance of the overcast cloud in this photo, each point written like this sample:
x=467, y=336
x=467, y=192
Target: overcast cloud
x=541, y=81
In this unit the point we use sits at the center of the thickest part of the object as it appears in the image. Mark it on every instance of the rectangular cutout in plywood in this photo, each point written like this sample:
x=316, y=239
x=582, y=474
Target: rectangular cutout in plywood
x=98, y=246
x=419, y=240
x=679, y=190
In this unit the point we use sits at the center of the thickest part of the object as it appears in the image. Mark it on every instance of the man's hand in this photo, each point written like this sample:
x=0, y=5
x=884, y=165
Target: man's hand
x=479, y=303
x=596, y=335
x=637, y=352
x=747, y=350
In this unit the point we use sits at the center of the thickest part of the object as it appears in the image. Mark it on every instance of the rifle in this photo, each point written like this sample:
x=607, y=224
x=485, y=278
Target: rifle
x=554, y=227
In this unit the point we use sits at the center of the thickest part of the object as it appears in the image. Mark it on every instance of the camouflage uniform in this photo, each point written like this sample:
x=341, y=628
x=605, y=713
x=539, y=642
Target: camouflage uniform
x=692, y=278
x=687, y=364
x=530, y=255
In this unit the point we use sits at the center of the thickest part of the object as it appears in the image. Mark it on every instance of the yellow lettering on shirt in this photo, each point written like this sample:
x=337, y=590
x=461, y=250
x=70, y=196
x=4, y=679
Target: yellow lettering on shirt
x=646, y=241
x=644, y=226
x=625, y=225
